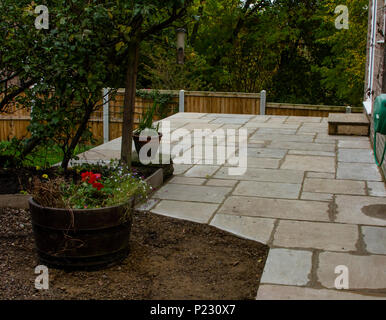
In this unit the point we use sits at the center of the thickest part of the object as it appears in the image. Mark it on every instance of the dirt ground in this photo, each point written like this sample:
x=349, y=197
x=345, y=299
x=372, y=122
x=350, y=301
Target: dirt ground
x=169, y=259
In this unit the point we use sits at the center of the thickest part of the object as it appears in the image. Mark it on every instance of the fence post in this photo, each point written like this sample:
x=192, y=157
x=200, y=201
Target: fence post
x=182, y=101
x=263, y=102
x=106, y=118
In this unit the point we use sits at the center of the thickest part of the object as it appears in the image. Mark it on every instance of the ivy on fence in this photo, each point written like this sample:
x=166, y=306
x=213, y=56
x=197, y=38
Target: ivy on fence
x=165, y=105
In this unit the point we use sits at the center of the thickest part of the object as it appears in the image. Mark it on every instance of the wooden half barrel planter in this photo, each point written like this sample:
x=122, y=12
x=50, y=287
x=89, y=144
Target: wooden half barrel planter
x=87, y=238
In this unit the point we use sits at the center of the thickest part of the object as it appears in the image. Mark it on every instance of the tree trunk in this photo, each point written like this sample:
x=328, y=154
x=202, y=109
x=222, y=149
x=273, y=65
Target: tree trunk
x=31, y=144
x=197, y=24
x=129, y=103
x=74, y=142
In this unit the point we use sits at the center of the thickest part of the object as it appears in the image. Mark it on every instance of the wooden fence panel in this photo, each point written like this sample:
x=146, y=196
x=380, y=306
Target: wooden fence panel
x=222, y=102
x=283, y=109
x=16, y=123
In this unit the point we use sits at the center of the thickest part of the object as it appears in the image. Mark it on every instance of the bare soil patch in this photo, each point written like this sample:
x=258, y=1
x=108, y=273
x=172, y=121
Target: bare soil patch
x=169, y=259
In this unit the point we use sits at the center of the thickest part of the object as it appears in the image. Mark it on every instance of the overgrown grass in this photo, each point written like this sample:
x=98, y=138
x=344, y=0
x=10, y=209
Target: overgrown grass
x=48, y=156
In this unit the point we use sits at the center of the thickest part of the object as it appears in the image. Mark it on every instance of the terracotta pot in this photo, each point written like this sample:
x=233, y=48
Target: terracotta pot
x=89, y=238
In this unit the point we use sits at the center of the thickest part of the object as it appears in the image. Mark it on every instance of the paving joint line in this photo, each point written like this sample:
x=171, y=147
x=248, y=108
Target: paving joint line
x=313, y=275
x=272, y=236
x=229, y=194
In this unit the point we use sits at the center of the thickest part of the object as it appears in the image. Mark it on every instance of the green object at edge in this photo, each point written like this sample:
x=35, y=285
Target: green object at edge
x=379, y=124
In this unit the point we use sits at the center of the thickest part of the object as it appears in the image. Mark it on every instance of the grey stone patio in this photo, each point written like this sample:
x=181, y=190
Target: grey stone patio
x=317, y=201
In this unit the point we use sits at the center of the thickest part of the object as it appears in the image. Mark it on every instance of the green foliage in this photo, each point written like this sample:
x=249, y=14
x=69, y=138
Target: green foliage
x=163, y=102
x=70, y=63
x=114, y=189
x=159, y=68
x=43, y=156
x=147, y=118
x=290, y=48
x=344, y=69
x=21, y=58
x=11, y=154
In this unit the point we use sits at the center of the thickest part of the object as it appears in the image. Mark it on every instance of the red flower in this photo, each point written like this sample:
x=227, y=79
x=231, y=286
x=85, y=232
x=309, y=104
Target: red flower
x=91, y=177
x=86, y=175
x=98, y=186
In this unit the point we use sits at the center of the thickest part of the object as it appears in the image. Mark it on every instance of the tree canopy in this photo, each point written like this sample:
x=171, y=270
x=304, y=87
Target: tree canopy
x=291, y=48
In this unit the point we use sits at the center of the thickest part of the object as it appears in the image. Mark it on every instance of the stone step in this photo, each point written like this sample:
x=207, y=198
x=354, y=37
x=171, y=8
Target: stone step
x=348, y=124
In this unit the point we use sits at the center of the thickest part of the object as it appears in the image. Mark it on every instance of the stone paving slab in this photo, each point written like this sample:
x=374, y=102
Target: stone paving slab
x=181, y=168
x=358, y=171
x=200, y=120
x=340, y=137
x=240, y=116
x=302, y=146
x=221, y=183
x=265, y=131
x=192, y=211
x=313, y=127
x=280, y=137
x=274, y=125
x=321, y=175
x=304, y=119
x=277, y=292
x=268, y=190
x=356, y=155
x=311, y=153
x=266, y=153
x=188, y=181
x=257, y=229
x=335, y=186
x=201, y=126
x=377, y=189
x=203, y=171
x=192, y=193
x=361, y=210
x=365, y=272
x=375, y=239
x=326, y=141
x=354, y=144
x=309, y=163
x=267, y=175
x=149, y=204
x=100, y=155
x=230, y=120
x=275, y=208
x=261, y=118
x=316, y=235
x=289, y=267
x=261, y=163
x=187, y=115
x=317, y=196
x=277, y=119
